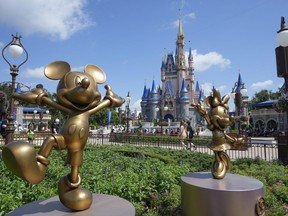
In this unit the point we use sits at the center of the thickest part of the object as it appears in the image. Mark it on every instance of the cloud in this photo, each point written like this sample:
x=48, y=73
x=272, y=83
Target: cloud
x=136, y=105
x=185, y=19
x=35, y=73
x=190, y=15
x=207, y=88
x=57, y=19
x=38, y=72
x=204, y=62
x=222, y=88
x=261, y=85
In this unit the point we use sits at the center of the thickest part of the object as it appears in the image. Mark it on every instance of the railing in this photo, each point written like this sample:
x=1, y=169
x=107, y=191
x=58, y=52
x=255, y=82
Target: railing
x=260, y=149
x=38, y=138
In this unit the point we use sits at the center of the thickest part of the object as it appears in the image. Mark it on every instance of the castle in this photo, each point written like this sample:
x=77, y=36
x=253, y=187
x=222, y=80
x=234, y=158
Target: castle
x=172, y=101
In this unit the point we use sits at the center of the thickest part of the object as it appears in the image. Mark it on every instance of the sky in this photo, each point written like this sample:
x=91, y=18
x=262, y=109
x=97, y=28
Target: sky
x=129, y=38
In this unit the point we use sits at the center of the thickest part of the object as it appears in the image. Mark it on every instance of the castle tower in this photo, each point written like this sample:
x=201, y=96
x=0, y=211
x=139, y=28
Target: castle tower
x=177, y=90
x=184, y=101
x=153, y=102
x=144, y=102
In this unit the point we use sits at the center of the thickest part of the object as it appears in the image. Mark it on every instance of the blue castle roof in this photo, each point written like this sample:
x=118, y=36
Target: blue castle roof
x=197, y=88
x=184, y=91
x=31, y=109
x=153, y=89
x=169, y=88
x=268, y=103
x=201, y=97
x=144, y=92
x=183, y=87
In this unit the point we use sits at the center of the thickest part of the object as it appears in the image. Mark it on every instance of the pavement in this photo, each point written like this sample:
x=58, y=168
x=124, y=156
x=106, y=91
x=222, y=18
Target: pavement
x=206, y=132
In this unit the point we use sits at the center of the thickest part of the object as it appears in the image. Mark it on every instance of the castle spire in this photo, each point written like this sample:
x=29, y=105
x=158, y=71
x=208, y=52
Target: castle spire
x=153, y=89
x=180, y=57
x=190, y=57
x=180, y=29
x=183, y=87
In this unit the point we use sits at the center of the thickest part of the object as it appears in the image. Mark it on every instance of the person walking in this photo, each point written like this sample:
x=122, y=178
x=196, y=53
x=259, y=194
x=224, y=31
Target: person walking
x=3, y=128
x=190, y=132
x=30, y=133
x=55, y=126
x=183, y=133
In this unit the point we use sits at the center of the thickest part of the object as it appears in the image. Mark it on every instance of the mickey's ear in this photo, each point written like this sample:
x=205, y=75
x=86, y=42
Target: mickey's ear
x=56, y=70
x=97, y=73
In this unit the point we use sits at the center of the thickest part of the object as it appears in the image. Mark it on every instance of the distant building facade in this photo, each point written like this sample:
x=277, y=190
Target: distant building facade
x=266, y=119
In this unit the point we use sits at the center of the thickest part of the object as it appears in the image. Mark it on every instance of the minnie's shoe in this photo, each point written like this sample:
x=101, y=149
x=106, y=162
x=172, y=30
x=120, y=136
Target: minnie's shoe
x=20, y=157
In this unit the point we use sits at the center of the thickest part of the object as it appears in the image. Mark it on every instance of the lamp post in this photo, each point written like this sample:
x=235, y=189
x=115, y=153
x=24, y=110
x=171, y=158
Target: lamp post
x=237, y=94
x=15, y=50
x=34, y=115
x=165, y=108
x=282, y=53
x=128, y=99
x=47, y=115
x=282, y=71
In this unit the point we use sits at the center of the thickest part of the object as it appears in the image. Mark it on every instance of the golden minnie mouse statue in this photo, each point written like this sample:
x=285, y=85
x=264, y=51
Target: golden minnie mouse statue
x=217, y=121
x=77, y=97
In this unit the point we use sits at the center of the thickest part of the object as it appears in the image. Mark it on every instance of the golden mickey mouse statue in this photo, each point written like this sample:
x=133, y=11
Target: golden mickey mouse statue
x=217, y=121
x=77, y=97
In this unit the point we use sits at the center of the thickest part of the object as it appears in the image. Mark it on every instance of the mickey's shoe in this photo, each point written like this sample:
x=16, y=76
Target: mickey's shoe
x=20, y=157
x=72, y=196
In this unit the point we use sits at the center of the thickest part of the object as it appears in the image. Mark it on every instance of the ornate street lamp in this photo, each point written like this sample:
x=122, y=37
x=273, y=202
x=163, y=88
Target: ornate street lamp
x=282, y=53
x=15, y=50
x=165, y=108
x=128, y=99
x=34, y=115
x=237, y=94
x=282, y=71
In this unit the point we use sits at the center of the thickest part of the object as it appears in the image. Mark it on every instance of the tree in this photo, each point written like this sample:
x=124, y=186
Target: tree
x=55, y=114
x=265, y=95
x=100, y=118
x=115, y=117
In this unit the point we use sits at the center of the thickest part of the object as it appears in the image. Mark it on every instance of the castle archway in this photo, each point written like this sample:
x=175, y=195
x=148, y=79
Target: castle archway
x=169, y=116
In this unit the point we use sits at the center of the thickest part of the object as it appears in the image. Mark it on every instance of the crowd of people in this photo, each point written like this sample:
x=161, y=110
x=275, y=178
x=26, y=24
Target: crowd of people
x=186, y=134
x=30, y=131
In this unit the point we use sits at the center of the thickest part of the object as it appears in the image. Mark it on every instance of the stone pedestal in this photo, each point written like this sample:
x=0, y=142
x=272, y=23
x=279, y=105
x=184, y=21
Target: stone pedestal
x=235, y=195
x=103, y=205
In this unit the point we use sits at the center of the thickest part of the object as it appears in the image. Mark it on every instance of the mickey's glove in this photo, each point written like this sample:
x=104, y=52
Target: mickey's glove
x=33, y=97
x=115, y=100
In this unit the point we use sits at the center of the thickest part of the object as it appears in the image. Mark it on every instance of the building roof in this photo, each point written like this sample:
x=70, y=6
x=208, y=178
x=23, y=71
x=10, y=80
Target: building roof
x=268, y=103
x=197, y=89
x=169, y=88
x=31, y=109
x=183, y=87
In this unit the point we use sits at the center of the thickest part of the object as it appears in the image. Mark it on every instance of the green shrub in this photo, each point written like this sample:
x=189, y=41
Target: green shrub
x=148, y=177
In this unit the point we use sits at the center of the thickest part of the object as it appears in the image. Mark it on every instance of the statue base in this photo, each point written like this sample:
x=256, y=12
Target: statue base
x=236, y=195
x=103, y=205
